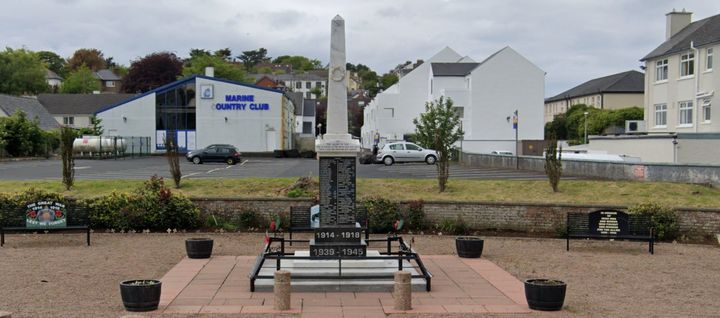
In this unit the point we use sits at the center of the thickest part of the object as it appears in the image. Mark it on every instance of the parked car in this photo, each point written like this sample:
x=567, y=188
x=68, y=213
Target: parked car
x=502, y=152
x=405, y=152
x=215, y=153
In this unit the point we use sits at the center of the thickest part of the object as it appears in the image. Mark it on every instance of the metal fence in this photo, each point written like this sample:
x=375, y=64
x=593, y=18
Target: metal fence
x=111, y=147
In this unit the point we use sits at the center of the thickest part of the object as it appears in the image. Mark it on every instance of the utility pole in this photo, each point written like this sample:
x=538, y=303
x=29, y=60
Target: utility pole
x=586, y=114
x=517, y=151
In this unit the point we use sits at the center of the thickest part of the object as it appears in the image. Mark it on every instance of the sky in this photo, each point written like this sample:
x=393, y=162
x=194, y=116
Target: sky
x=573, y=41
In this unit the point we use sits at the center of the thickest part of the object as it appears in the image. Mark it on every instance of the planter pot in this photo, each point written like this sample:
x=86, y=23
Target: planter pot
x=469, y=246
x=545, y=294
x=199, y=247
x=140, y=294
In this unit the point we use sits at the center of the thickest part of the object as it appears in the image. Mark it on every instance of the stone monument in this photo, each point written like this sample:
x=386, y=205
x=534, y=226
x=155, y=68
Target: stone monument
x=338, y=235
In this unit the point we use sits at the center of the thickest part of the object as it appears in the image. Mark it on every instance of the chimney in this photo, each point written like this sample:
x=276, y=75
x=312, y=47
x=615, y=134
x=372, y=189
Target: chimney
x=210, y=71
x=676, y=21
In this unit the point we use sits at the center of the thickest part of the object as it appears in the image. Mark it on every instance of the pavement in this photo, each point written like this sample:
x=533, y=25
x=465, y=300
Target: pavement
x=220, y=285
x=144, y=168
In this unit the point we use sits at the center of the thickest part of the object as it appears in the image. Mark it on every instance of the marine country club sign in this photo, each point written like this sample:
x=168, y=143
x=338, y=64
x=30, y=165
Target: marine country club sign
x=241, y=102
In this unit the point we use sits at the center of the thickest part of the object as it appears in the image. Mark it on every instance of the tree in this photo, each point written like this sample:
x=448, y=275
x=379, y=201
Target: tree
x=22, y=136
x=553, y=164
x=67, y=138
x=92, y=58
x=252, y=58
x=96, y=128
x=299, y=63
x=173, y=160
x=223, y=69
x=225, y=54
x=53, y=62
x=439, y=128
x=21, y=72
x=198, y=52
x=81, y=81
x=152, y=71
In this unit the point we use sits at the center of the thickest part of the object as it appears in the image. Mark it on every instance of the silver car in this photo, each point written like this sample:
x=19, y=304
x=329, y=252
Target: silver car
x=405, y=152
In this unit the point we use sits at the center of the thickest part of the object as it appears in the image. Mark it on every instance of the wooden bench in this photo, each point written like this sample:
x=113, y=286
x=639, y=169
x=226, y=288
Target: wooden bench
x=300, y=220
x=610, y=225
x=76, y=219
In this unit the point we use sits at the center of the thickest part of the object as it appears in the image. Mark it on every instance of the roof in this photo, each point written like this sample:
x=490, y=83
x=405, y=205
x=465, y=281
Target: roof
x=79, y=103
x=309, y=107
x=10, y=104
x=625, y=82
x=52, y=75
x=309, y=76
x=182, y=81
x=453, y=69
x=107, y=75
x=702, y=32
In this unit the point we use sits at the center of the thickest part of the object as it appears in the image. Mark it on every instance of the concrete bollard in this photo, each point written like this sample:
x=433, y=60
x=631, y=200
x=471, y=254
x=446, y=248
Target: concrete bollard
x=5, y=314
x=402, y=293
x=282, y=290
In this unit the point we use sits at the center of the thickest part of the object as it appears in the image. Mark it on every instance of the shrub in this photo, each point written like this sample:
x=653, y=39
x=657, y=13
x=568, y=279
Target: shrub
x=114, y=211
x=247, y=219
x=382, y=213
x=296, y=193
x=11, y=205
x=456, y=226
x=664, y=219
x=414, y=215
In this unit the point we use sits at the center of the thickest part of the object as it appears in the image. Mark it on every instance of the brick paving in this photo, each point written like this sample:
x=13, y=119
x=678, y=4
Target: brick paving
x=220, y=285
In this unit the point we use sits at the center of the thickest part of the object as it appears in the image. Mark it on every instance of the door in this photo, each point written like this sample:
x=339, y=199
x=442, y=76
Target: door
x=413, y=153
x=398, y=152
x=270, y=140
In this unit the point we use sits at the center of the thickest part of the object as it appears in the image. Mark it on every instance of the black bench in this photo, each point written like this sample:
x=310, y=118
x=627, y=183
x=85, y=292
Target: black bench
x=610, y=225
x=300, y=220
x=76, y=219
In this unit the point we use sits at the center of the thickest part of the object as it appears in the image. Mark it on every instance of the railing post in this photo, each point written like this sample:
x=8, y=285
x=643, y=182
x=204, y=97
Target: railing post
x=282, y=290
x=402, y=291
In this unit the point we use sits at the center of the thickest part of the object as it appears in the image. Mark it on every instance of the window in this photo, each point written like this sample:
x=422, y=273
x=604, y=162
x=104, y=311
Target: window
x=460, y=111
x=661, y=70
x=412, y=147
x=396, y=147
x=308, y=95
x=686, y=113
x=318, y=84
x=307, y=127
x=109, y=83
x=687, y=64
x=69, y=120
x=298, y=85
x=706, y=110
x=709, y=59
x=308, y=85
x=661, y=115
x=388, y=112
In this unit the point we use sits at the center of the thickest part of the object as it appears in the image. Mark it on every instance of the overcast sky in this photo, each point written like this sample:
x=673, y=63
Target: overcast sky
x=572, y=40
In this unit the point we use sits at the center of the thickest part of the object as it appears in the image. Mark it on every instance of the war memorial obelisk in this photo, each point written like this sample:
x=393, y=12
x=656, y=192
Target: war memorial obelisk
x=338, y=235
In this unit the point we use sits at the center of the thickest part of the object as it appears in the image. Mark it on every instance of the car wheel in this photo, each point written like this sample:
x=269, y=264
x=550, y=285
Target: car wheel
x=388, y=161
x=430, y=160
x=230, y=161
x=196, y=160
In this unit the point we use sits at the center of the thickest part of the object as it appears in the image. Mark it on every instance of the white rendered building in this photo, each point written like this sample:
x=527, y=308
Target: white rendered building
x=485, y=94
x=199, y=111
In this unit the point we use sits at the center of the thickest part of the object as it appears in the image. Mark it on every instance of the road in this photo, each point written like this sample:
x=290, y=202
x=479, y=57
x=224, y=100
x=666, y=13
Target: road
x=144, y=168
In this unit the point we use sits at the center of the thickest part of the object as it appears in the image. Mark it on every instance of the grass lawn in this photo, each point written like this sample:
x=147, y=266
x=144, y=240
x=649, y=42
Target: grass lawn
x=571, y=191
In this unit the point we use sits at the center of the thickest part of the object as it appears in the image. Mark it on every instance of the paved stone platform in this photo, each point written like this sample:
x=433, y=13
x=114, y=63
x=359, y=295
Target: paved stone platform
x=220, y=285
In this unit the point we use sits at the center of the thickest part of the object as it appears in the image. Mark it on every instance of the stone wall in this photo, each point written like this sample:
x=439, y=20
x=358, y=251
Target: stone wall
x=541, y=219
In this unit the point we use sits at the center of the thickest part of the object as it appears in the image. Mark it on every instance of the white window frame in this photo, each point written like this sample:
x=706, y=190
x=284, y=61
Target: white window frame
x=709, y=59
x=687, y=65
x=706, y=110
x=69, y=120
x=661, y=71
x=685, y=113
x=109, y=83
x=661, y=112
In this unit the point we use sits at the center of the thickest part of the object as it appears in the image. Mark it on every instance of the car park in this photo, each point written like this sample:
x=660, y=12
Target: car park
x=215, y=153
x=405, y=152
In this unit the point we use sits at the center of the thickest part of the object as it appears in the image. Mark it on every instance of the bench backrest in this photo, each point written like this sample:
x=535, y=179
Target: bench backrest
x=16, y=217
x=609, y=222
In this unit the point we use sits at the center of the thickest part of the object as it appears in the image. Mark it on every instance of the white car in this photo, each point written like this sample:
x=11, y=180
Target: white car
x=405, y=152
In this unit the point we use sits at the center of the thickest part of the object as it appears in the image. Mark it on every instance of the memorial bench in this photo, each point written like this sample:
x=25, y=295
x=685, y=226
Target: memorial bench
x=610, y=224
x=74, y=218
x=300, y=220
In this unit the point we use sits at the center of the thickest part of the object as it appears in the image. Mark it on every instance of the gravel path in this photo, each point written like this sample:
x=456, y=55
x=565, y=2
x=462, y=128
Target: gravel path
x=58, y=276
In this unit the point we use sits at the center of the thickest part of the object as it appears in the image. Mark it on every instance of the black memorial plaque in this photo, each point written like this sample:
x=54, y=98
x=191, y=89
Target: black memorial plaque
x=336, y=250
x=609, y=223
x=337, y=191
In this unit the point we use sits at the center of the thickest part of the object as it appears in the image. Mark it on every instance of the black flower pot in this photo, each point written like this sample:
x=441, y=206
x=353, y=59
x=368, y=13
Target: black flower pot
x=199, y=247
x=469, y=246
x=140, y=295
x=545, y=294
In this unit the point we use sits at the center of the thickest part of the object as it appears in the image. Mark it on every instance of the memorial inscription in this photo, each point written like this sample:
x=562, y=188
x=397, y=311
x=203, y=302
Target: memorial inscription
x=606, y=222
x=337, y=191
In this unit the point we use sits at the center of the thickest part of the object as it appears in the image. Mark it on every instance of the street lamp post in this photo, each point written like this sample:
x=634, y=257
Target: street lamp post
x=586, y=114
